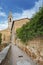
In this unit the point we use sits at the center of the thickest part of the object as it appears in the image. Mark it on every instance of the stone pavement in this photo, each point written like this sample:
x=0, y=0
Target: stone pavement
x=17, y=57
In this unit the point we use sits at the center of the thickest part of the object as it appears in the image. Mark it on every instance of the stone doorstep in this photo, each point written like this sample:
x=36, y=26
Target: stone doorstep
x=3, y=53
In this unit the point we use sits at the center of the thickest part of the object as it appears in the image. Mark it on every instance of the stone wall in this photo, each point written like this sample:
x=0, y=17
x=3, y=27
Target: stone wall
x=34, y=49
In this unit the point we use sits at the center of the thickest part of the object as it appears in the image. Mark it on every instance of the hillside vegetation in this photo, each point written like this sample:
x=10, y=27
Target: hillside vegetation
x=32, y=29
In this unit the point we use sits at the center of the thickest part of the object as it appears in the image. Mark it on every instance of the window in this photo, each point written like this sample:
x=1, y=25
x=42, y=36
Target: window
x=10, y=19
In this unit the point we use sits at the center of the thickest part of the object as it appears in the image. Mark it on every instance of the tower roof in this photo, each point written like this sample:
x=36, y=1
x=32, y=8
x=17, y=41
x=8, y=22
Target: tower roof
x=10, y=14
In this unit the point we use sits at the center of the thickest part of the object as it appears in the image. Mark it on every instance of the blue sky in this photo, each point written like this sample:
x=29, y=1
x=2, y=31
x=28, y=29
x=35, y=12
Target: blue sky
x=20, y=9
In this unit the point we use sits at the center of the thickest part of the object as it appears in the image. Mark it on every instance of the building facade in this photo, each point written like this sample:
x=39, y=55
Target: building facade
x=9, y=34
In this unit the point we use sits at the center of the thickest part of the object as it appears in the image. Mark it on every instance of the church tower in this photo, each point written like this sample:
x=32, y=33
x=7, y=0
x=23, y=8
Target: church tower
x=10, y=20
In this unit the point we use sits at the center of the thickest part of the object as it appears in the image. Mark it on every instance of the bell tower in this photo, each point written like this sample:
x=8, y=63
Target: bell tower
x=10, y=20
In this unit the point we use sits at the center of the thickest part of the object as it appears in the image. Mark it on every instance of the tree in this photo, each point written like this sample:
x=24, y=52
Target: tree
x=32, y=29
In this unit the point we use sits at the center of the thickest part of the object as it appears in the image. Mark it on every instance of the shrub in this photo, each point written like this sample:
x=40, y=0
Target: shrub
x=32, y=29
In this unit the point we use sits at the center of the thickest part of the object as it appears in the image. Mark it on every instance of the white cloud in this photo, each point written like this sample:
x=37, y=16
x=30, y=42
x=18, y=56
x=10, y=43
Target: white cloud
x=3, y=14
x=25, y=13
x=30, y=12
x=0, y=8
x=3, y=25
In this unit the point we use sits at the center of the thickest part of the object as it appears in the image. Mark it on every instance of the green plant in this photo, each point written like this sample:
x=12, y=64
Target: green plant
x=32, y=29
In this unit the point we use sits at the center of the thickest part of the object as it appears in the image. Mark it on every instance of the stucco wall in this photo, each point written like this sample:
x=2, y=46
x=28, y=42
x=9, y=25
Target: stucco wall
x=5, y=36
x=19, y=23
x=6, y=33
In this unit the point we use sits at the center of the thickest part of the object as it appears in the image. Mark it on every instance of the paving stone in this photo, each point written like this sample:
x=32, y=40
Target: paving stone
x=14, y=59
